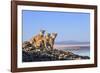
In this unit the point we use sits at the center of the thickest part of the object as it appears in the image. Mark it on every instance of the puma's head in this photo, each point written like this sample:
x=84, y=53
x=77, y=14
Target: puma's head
x=42, y=32
x=47, y=35
x=54, y=35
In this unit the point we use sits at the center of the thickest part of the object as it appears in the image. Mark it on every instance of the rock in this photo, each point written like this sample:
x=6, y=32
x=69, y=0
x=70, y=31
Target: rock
x=31, y=54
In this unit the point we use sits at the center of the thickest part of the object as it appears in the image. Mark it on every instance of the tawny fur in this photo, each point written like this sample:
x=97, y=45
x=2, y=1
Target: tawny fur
x=49, y=40
x=52, y=39
x=37, y=40
x=46, y=41
x=41, y=41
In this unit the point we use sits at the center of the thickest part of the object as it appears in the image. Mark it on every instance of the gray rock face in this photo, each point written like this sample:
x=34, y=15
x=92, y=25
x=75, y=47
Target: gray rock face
x=31, y=54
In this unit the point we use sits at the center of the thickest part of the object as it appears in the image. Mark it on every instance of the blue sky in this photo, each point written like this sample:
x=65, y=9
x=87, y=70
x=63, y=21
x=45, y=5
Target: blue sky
x=69, y=25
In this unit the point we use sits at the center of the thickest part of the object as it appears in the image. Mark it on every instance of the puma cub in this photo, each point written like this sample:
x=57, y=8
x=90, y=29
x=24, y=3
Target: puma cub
x=49, y=40
x=46, y=41
x=37, y=40
x=52, y=39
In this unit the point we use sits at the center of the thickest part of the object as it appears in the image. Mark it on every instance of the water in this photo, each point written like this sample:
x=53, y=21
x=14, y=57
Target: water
x=80, y=51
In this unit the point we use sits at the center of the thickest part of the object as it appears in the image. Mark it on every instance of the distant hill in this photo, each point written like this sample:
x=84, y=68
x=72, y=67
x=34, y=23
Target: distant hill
x=71, y=42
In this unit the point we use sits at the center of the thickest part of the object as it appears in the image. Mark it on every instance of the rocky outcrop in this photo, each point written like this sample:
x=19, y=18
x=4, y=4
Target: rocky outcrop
x=31, y=54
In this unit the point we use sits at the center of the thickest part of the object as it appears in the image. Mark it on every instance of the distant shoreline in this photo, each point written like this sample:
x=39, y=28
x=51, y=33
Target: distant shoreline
x=74, y=46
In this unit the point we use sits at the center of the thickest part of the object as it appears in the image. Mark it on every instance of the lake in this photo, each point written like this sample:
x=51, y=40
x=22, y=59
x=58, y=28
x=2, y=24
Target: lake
x=79, y=49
